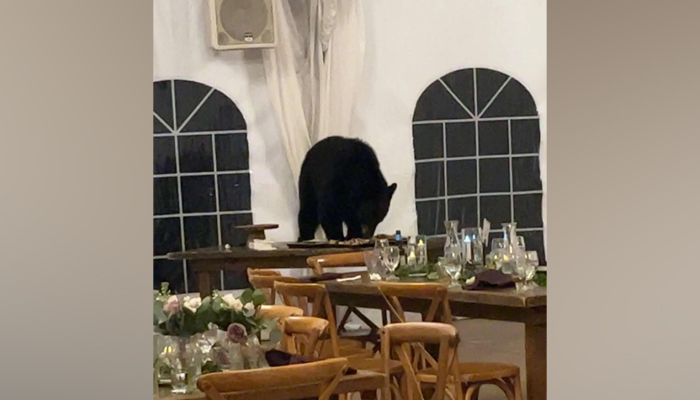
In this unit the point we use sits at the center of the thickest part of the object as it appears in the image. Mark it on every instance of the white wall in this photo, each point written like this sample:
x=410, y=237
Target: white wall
x=409, y=45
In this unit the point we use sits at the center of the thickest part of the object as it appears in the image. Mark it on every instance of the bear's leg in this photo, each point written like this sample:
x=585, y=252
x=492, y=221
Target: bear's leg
x=308, y=222
x=354, y=229
x=308, y=211
x=332, y=224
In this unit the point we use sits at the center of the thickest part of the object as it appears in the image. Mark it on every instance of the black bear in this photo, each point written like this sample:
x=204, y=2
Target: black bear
x=340, y=182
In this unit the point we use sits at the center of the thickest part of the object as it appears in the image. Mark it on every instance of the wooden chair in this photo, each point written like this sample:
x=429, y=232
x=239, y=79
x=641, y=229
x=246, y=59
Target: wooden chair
x=264, y=279
x=256, y=384
x=472, y=374
x=406, y=340
x=356, y=259
x=313, y=299
x=300, y=335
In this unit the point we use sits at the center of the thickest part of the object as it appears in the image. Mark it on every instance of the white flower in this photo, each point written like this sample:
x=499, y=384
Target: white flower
x=232, y=302
x=192, y=304
x=249, y=309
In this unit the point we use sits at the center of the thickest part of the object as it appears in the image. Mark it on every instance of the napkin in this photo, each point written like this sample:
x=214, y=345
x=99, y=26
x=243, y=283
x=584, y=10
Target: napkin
x=489, y=279
x=259, y=244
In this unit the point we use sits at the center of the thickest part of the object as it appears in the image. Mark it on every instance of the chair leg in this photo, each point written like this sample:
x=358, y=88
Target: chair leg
x=505, y=388
x=517, y=388
x=472, y=392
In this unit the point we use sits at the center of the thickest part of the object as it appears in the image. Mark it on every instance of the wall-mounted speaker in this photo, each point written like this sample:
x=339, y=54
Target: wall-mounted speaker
x=242, y=24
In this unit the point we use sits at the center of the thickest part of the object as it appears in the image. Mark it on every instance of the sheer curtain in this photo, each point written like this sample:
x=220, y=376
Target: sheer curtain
x=314, y=71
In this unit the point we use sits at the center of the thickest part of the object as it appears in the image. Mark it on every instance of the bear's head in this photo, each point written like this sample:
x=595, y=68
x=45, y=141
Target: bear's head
x=373, y=211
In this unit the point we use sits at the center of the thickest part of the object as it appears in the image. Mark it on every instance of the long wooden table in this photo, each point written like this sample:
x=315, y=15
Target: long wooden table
x=207, y=263
x=363, y=381
x=501, y=305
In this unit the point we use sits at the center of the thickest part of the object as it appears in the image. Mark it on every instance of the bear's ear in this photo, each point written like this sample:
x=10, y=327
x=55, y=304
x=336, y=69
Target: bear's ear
x=391, y=189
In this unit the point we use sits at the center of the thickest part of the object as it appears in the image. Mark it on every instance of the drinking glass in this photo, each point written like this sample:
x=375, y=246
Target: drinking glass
x=532, y=263
x=421, y=250
x=452, y=267
x=390, y=258
x=472, y=251
x=380, y=244
x=373, y=262
x=411, y=255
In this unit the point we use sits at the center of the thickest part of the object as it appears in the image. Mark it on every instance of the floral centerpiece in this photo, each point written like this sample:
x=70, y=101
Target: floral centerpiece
x=181, y=323
x=237, y=345
x=192, y=329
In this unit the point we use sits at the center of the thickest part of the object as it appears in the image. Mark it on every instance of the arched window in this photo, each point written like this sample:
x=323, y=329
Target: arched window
x=476, y=139
x=201, y=177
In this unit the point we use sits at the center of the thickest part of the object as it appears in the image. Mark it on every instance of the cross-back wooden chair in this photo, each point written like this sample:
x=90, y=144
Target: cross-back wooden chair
x=405, y=341
x=264, y=279
x=356, y=259
x=300, y=335
x=472, y=374
x=256, y=384
x=316, y=296
x=313, y=299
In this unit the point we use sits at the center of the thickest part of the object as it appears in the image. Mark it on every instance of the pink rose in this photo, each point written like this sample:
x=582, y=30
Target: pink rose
x=236, y=333
x=171, y=306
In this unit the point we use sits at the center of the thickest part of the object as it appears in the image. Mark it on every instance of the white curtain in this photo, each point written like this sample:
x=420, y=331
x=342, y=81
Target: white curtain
x=313, y=72
x=343, y=39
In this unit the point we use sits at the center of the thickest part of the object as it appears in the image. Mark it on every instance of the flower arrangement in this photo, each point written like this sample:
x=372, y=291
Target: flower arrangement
x=185, y=317
x=173, y=316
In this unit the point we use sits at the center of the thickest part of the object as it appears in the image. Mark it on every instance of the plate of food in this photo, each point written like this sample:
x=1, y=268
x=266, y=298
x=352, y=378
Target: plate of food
x=352, y=243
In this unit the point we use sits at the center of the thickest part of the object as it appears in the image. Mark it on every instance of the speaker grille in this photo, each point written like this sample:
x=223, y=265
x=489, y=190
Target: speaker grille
x=243, y=20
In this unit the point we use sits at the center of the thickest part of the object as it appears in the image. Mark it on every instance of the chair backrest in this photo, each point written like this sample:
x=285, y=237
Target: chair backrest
x=300, y=335
x=279, y=311
x=406, y=340
x=264, y=279
x=315, y=295
x=318, y=263
x=253, y=384
x=433, y=291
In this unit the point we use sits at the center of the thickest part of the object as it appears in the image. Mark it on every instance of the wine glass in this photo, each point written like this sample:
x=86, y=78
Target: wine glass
x=452, y=267
x=390, y=258
x=533, y=262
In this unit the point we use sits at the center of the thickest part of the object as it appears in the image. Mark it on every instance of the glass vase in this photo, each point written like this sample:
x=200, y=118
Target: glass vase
x=182, y=357
x=226, y=354
x=252, y=353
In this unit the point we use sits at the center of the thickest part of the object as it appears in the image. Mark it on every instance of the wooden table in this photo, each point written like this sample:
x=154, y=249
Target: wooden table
x=207, y=263
x=500, y=305
x=363, y=381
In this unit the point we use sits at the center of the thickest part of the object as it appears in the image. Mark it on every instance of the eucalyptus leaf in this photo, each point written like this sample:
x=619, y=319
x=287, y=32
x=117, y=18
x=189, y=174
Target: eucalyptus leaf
x=258, y=297
x=246, y=297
